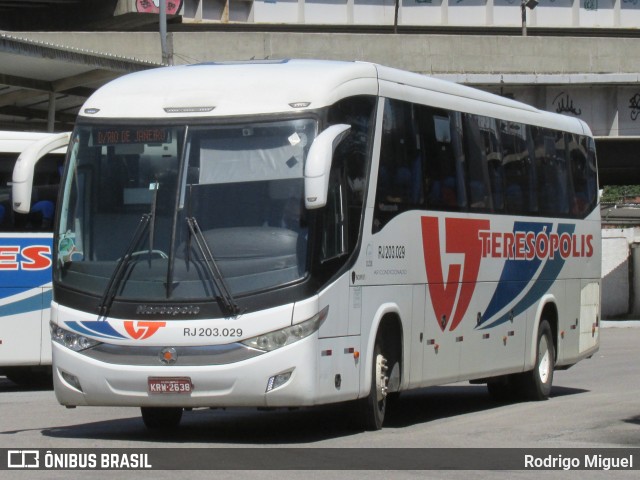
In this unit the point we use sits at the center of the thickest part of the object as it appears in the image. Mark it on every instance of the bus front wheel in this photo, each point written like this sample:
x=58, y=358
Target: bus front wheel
x=159, y=418
x=373, y=407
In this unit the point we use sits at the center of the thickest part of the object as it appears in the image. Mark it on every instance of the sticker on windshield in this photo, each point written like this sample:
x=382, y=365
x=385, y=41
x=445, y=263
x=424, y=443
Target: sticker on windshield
x=67, y=250
x=294, y=139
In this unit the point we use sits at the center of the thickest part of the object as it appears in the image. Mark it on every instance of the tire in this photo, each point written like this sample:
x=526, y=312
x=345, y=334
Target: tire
x=160, y=418
x=536, y=384
x=374, y=406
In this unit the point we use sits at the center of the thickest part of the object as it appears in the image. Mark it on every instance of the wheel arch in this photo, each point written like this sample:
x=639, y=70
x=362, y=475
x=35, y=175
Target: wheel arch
x=547, y=310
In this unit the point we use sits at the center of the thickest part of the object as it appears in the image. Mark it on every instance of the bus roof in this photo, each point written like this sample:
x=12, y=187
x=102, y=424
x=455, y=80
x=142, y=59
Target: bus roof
x=278, y=86
x=223, y=89
x=17, y=142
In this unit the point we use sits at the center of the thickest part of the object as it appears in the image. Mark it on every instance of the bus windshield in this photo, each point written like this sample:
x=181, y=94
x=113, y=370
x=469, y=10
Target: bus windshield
x=184, y=212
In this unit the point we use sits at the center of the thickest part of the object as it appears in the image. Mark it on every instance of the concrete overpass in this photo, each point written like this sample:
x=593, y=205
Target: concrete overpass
x=594, y=78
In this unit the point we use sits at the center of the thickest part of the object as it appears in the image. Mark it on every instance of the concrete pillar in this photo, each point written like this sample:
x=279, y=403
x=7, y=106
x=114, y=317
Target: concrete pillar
x=634, y=301
x=51, y=114
x=616, y=257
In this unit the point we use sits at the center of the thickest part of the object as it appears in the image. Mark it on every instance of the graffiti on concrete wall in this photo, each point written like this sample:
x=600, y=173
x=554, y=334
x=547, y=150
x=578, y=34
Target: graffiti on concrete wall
x=564, y=104
x=153, y=6
x=634, y=106
x=591, y=5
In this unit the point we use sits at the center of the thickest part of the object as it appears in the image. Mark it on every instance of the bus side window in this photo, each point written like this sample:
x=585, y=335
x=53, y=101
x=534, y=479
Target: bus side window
x=518, y=168
x=583, y=175
x=41, y=215
x=477, y=166
x=46, y=183
x=334, y=242
x=444, y=166
x=493, y=156
x=354, y=153
x=551, y=172
x=592, y=173
x=562, y=174
x=543, y=146
x=7, y=163
x=399, y=186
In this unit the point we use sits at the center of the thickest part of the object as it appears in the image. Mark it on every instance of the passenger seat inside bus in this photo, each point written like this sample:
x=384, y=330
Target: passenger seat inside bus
x=41, y=215
x=42, y=210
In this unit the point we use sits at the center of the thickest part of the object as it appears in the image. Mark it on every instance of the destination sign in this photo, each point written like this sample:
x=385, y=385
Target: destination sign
x=128, y=135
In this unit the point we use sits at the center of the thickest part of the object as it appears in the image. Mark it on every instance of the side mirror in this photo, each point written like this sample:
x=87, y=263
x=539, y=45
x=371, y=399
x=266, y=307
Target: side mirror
x=318, y=166
x=22, y=180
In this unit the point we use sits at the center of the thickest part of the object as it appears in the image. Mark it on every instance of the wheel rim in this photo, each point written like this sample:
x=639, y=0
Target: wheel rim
x=382, y=380
x=544, y=366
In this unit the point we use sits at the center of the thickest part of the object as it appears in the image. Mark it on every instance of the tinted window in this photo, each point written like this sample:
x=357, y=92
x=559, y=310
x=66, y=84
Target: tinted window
x=399, y=186
x=443, y=160
x=46, y=181
x=516, y=166
x=478, y=134
x=350, y=168
x=583, y=174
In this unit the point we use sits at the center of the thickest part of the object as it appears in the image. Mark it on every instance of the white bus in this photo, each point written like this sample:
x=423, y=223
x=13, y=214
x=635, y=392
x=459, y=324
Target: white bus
x=295, y=233
x=32, y=163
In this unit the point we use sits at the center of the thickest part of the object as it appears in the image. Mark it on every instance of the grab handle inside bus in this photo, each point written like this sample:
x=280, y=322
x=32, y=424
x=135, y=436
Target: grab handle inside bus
x=318, y=166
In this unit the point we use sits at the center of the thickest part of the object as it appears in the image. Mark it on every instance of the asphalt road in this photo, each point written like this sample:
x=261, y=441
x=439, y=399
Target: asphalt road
x=595, y=404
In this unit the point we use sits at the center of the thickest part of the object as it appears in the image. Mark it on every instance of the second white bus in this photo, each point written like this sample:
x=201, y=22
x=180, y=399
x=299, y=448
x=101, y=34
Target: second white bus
x=295, y=233
x=31, y=164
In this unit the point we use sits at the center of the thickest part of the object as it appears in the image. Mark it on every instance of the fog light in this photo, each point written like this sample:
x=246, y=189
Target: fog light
x=278, y=380
x=72, y=380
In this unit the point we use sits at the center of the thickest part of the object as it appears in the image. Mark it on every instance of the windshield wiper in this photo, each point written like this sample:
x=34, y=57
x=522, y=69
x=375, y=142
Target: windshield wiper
x=152, y=221
x=118, y=273
x=147, y=221
x=218, y=279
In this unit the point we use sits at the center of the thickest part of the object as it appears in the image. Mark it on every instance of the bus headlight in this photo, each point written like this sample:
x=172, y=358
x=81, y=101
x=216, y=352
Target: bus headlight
x=286, y=336
x=72, y=340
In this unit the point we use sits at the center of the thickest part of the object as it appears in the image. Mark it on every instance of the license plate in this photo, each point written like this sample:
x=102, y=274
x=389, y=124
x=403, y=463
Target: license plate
x=170, y=385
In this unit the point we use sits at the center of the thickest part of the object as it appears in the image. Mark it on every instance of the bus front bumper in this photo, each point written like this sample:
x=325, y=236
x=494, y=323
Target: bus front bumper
x=281, y=378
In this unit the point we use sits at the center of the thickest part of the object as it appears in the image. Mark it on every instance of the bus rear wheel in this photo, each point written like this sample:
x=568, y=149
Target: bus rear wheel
x=161, y=418
x=536, y=384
